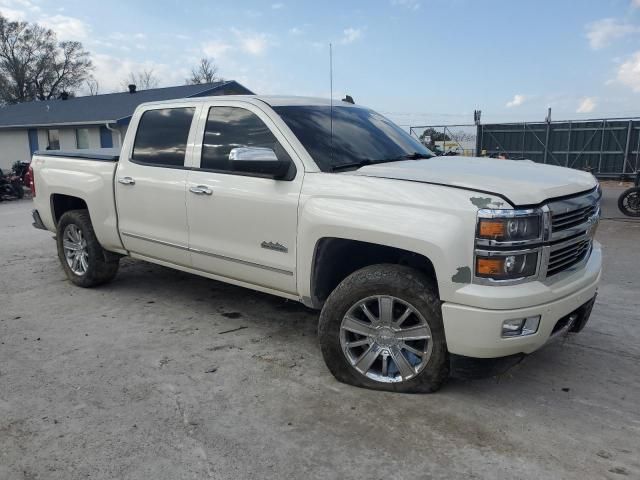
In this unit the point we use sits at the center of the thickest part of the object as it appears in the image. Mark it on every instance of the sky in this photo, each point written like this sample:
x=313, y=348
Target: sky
x=420, y=62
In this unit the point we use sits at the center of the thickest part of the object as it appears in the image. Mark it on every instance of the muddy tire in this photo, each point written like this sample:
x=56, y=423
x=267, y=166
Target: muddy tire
x=82, y=257
x=398, y=345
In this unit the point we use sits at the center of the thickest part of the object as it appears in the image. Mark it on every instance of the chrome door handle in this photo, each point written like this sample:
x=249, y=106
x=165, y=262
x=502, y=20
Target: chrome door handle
x=126, y=181
x=201, y=190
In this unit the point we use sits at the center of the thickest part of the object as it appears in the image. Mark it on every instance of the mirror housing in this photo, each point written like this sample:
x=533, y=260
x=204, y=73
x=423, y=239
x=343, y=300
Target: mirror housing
x=258, y=161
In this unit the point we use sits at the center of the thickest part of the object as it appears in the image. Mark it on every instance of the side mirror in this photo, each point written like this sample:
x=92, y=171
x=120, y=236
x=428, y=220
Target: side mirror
x=258, y=160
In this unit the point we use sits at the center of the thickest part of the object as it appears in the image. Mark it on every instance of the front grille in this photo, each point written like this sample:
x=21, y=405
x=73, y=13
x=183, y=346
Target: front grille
x=572, y=222
x=564, y=221
x=567, y=256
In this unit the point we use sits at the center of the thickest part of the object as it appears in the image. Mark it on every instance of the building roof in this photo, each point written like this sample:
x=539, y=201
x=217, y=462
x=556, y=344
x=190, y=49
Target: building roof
x=100, y=109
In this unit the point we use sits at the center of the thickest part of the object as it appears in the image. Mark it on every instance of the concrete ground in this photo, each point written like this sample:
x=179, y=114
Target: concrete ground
x=164, y=375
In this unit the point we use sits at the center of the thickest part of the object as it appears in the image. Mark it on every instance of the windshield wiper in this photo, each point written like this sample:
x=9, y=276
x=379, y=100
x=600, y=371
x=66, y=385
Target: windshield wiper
x=364, y=163
x=361, y=163
x=414, y=156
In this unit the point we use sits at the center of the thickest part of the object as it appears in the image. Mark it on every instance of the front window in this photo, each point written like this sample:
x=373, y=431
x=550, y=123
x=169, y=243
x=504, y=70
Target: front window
x=232, y=127
x=53, y=140
x=349, y=136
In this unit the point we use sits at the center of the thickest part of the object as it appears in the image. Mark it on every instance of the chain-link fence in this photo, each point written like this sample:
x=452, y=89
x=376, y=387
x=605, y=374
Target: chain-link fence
x=447, y=139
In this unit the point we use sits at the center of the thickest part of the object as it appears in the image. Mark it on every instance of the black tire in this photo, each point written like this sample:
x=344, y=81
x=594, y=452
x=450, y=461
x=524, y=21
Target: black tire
x=102, y=265
x=408, y=285
x=632, y=194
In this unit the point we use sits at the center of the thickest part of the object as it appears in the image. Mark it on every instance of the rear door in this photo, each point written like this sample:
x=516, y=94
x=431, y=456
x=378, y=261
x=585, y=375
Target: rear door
x=244, y=227
x=151, y=181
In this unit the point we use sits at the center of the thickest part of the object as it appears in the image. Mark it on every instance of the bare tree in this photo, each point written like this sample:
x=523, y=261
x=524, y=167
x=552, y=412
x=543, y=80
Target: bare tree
x=34, y=66
x=205, y=72
x=143, y=80
x=65, y=70
x=92, y=86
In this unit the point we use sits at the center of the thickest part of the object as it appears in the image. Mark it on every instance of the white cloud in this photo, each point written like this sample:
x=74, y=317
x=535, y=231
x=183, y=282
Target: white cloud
x=350, y=35
x=12, y=14
x=516, y=101
x=587, y=105
x=66, y=28
x=277, y=6
x=635, y=3
x=295, y=31
x=410, y=4
x=629, y=72
x=253, y=43
x=216, y=49
x=18, y=10
x=604, y=32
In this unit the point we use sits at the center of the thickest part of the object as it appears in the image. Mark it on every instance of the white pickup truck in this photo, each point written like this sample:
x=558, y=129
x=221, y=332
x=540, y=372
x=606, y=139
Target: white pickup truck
x=414, y=260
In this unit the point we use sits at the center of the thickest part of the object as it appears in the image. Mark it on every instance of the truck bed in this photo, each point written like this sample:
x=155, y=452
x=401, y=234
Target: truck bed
x=87, y=175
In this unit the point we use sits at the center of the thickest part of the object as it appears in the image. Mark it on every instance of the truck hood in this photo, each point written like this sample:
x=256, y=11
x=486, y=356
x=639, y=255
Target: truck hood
x=521, y=182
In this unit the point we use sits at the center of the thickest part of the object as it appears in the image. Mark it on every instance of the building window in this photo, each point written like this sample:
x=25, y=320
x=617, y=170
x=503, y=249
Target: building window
x=82, y=138
x=53, y=139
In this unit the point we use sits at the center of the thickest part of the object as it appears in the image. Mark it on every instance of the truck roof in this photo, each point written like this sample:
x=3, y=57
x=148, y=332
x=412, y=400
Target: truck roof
x=271, y=100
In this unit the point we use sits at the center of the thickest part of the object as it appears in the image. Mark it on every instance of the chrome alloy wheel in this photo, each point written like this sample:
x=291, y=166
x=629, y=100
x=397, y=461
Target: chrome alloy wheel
x=386, y=339
x=75, y=250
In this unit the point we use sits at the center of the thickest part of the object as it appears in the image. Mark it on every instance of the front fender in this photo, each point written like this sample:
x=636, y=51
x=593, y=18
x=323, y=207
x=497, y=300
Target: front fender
x=434, y=221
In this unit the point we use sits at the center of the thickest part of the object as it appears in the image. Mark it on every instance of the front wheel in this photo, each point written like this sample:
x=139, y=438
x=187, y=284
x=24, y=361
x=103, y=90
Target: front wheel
x=84, y=260
x=629, y=202
x=381, y=328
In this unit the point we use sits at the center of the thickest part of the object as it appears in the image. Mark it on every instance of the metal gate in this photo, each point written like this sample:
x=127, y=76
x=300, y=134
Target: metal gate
x=606, y=147
x=609, y=148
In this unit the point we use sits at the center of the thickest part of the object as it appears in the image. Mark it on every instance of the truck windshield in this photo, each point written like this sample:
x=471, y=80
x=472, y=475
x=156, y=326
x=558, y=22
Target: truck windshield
x=360, y=136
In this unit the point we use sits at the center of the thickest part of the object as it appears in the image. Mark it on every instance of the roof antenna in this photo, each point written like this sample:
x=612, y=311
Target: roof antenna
x=331, y=97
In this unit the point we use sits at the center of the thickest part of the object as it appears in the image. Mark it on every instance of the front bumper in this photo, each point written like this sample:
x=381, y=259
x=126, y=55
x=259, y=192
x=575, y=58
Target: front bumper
x=476, y=332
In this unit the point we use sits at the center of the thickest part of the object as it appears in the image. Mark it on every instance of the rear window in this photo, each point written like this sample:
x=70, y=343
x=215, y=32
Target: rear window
x=162, y=135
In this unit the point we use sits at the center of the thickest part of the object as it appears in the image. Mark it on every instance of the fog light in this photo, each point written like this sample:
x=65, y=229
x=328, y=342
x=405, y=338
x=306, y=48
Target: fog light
x=519, y=327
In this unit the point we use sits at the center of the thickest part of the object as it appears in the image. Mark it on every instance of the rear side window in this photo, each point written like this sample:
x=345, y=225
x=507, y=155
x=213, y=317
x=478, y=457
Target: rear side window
x=233, y=127
x=162, y=135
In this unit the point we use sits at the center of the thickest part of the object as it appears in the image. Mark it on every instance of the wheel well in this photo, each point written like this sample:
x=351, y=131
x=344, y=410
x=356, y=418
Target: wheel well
x=337, y=258
x=61, y=204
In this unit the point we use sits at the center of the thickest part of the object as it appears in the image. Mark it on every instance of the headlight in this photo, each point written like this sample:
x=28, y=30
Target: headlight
x=506, y=266
x=511, y=229
x=508, y=245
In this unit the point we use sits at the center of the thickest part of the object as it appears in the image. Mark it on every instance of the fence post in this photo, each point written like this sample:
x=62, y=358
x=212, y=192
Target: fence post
x=604, y=126
x=626, y=148
x=568, y=143
x=546, y=143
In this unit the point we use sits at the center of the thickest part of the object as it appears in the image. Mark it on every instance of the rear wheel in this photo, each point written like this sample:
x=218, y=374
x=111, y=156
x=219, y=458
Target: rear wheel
x=83, y=259
x=381, y=328
x=629, y=202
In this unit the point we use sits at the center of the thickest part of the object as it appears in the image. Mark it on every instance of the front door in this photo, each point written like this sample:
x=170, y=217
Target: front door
x=242, y=226
x=150, y=186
